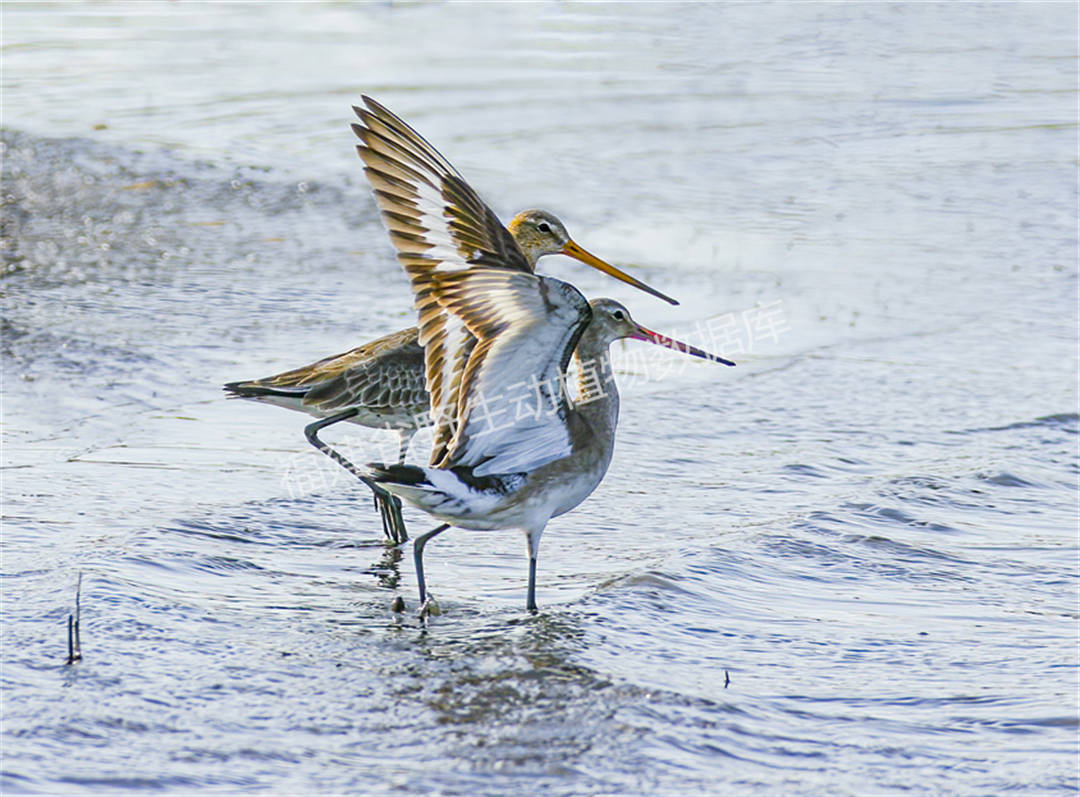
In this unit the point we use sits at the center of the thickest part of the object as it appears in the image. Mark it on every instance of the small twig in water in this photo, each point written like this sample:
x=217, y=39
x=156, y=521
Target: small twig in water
x=727, y=679
x=74, y=643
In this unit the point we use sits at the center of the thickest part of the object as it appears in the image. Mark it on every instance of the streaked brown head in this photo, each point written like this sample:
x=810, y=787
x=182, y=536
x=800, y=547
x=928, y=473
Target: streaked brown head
x=540, y=233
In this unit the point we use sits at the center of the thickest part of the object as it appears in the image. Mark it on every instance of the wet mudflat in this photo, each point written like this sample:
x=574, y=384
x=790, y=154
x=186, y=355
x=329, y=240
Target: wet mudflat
x=869, y=526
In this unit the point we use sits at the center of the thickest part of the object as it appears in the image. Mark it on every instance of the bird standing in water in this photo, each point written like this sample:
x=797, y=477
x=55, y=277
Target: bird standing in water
x=522, y=450
x=382, y=384
x=511, y=449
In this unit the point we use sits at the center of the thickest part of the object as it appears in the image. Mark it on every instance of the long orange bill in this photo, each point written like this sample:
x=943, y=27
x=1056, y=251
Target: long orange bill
x=663, y=340
x=573, y=250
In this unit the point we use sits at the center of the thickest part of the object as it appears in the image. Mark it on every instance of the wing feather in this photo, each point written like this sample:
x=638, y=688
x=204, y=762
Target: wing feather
x=390, y=382
x=347, y=379
x=512, y=408
x=438, y=224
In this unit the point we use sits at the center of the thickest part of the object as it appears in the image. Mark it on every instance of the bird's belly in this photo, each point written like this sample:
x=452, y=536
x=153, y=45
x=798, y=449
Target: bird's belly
x=385, y=417
x=576, y=490
x=524, y=505
x=393, y=417
x=515, y=510
x=525, y=501
x=560, y=486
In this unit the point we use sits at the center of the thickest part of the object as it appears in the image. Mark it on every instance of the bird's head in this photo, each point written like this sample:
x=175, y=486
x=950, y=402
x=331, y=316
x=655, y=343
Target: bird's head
x=611, y=321
x=540, y=233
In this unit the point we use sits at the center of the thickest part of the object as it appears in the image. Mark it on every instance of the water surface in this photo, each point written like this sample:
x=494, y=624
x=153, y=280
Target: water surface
x=869, y=527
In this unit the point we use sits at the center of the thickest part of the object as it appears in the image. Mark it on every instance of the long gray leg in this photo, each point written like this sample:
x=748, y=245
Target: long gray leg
x=405, y=437
x=533, y=539
x=390, y=500
x=389, y=510
x=418, y=557
x=530, y=601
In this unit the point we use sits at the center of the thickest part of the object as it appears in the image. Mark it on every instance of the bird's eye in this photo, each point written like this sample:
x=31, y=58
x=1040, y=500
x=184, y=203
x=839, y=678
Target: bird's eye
x=619, y=315
x=543, y=227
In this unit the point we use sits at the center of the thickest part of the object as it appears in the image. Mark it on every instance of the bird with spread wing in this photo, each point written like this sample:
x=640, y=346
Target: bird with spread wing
x=431, y=213
x=514, y=445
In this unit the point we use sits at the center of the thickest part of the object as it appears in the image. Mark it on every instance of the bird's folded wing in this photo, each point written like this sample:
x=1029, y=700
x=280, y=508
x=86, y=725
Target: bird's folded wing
x=438, y=223
x=513, y=409
x=393, y=380
x=309, y=376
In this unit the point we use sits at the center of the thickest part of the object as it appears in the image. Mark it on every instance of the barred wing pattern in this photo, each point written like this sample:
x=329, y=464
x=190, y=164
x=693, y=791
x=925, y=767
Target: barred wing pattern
x=438, y=224
x=394, y=381
x=385, y=373
x=513, y=409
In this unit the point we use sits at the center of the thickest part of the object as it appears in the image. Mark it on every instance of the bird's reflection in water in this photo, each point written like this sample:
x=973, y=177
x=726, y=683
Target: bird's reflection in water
x=510, y=680
x=386, y=570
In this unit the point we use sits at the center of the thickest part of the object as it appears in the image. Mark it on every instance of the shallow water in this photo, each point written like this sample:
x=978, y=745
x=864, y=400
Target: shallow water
x=869, y=527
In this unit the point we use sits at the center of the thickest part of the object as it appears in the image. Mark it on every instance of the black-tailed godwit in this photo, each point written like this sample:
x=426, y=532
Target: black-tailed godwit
x=430, y=211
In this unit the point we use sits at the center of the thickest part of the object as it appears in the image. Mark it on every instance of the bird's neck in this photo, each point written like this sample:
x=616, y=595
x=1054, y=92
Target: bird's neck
x=597, y=396
x=532, y=255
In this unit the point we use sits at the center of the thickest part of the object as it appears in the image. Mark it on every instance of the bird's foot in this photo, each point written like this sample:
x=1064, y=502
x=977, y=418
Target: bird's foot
x=430, y=608
x=393, y=524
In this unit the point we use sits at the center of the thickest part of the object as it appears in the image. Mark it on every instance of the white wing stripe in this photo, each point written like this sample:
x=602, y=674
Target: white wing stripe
x=439, y=225
x=526, y=326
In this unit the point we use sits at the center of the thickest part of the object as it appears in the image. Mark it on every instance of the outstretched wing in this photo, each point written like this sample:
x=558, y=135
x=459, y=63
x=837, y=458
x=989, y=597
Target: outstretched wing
x=428, y=207
x=438, y=223
x=513, y=408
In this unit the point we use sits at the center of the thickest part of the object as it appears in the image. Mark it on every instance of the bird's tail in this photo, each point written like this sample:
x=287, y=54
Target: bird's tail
x=408, y=482
x=397, y=474
x=255, y=389
x=446, y=494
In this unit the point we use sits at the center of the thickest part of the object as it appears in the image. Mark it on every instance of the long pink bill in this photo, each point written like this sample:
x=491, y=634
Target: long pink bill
x=649, y=336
